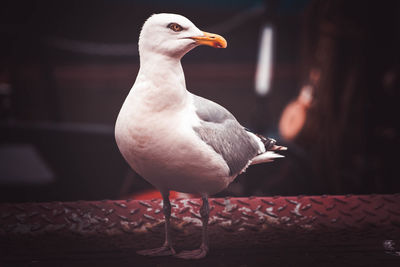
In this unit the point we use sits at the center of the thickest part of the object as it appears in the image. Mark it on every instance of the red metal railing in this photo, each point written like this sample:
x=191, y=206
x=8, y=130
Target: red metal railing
x=243, y=231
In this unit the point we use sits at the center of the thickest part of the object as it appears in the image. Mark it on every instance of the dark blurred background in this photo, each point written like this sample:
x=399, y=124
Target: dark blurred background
x=66, y=67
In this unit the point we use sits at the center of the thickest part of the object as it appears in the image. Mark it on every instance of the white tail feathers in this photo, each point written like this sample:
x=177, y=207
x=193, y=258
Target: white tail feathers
x=263, y=144
x=266, y=157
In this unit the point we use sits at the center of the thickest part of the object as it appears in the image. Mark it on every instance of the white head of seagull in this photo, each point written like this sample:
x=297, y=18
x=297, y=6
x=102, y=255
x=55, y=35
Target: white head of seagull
x=173, y=35
x=164, y=40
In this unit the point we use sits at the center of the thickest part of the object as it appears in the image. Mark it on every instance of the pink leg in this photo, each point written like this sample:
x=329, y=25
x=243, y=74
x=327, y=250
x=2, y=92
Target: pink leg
x=202, y=251
x=167, y=248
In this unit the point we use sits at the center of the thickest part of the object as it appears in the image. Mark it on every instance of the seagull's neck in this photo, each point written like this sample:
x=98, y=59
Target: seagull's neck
x=161, y=82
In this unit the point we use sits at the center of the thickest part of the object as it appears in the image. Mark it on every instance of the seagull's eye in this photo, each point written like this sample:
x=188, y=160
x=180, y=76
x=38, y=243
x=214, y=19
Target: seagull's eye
x=175, y=27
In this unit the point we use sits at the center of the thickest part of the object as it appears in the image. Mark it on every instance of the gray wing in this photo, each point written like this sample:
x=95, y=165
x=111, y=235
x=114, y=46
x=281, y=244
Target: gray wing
x=210, y=111
x=220, y=130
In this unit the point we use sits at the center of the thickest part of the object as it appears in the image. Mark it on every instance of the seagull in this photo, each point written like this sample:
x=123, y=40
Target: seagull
x=177, y=140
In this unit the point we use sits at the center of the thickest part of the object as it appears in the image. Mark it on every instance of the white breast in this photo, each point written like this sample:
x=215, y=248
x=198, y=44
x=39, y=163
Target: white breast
x=163, y=148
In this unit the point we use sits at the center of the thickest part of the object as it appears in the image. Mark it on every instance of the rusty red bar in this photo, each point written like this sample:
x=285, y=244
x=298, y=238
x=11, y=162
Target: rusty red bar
x=258, y=224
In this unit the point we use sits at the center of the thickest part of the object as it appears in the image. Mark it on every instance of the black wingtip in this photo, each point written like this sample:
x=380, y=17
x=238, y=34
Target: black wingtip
x=268, y=142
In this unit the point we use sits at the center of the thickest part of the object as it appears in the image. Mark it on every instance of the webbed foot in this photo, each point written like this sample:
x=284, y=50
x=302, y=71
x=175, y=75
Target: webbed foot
x=193, y=254
x=157, y=252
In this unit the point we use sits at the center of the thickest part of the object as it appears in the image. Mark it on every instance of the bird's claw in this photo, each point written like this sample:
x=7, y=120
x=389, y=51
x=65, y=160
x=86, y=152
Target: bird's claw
x=157, y=252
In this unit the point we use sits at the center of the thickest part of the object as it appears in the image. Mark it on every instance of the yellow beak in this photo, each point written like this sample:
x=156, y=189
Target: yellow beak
x=211, y=39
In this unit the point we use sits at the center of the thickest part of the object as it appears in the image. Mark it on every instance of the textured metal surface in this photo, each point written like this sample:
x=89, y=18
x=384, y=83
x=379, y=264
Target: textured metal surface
x=370, y=223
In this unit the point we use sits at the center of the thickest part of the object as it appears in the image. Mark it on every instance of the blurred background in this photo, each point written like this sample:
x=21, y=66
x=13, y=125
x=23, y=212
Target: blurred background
x=321, y=77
